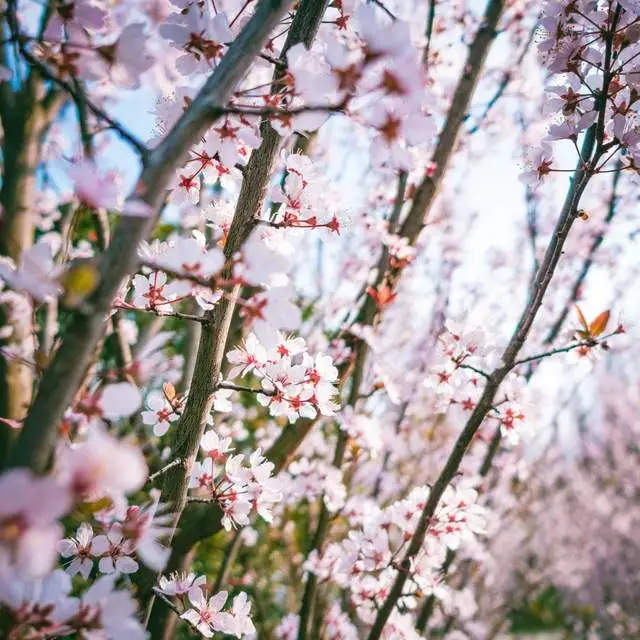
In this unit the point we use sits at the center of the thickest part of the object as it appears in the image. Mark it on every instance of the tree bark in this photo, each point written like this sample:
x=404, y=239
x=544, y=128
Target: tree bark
x=26, y=115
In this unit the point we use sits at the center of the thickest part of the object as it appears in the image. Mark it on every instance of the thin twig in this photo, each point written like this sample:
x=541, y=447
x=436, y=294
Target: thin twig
x=238, y=387
x=504, y=83
x=556, y=327
x=164, y=469
x=480, y=372
x=381, y=4
x=202, y=501
x=139, y=146
x=209, y=283
x=191, y=317
x=279, y=113
x=571, y=347
x=168, y=602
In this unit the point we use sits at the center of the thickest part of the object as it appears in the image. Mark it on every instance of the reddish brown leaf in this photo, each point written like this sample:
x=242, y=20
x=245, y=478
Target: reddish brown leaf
x=169, y=391
x=382, y=296
x=598, y=326
x=583, y=320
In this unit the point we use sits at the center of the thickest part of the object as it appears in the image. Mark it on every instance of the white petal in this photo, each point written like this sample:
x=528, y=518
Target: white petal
x=119, y=400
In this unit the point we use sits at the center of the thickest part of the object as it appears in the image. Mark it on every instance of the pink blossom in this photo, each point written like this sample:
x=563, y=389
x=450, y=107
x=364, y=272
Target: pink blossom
x=115, y=551
x=35, y=274
x=247, y=357
x=29, y=510
x=160, y=414
x=111, y=611
x=101, y=465
x=178, y=584
x=237, y=621
x=206, y=614
x=94, y=190
x=80, y=549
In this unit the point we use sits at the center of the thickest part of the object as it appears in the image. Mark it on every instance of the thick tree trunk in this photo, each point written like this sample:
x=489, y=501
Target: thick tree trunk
x=25, y=119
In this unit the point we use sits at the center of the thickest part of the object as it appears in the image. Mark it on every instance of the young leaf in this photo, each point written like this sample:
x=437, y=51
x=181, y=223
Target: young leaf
x=598, y=326
x=169, y=391
x=583, y=320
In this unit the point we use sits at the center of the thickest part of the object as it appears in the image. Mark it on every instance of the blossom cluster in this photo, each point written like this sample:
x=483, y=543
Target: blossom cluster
x=206, y=377
x=45, y=606
x=371, y=73
x=187, y=259
x=307, y=479
x=237, y=488
x=297, y=197
x=293, y=383
x=205, y=613
x=137, y=530
x=100, y=468
x=336, y=624
x=363, y=562
x=596, y=81
x=459, y=380
x=36, y=594
x=378, y=74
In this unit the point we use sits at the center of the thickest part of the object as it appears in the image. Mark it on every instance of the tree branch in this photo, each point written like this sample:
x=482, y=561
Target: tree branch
x=588, y=261
x=124, y=133
x=26, y=116
x=541, y=282
x=64, y=375
x=428, y=32
x=572, y=347
x=428, y=189
x=504, y=83
x=266, y=112
x=214, y=335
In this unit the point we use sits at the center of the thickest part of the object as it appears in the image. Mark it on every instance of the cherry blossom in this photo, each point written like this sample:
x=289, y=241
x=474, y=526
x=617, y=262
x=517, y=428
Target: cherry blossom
x=160, y=413
x=277, y=311
x=154, y=292
x=101, y=465
x=115, y=550
x=30, y=508
x=237, y=488
x=247, y=357
x=43, y=603
x=180, y=584
x=262, y=257
x=81, y=549
x=206, y=614
x=237, y=621
x=200, y=35
x=109, y=610
x=541, y=162
x=146, y=526
x=35, y=274
x=189, y=256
